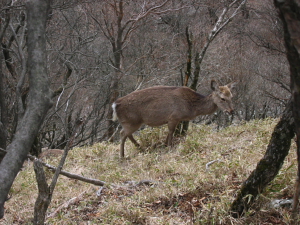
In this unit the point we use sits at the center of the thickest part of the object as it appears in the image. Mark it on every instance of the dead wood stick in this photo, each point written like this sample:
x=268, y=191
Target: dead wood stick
x=72, y=201
x=70, y=175
x=67, y=174
x=210, y=163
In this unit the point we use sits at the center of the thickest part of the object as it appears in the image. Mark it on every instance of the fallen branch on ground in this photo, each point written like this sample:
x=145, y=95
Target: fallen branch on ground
x=210, y=163
x=72, y=201
x=67, y=174
x=71, y=175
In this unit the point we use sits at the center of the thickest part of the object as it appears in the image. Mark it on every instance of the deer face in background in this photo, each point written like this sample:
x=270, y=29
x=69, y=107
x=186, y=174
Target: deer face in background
x=222, y=96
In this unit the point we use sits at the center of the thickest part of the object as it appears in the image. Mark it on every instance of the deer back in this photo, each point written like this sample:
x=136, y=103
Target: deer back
x=157, y=105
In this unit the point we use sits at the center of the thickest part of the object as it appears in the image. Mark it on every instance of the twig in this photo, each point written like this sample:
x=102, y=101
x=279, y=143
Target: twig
x=210, y=163
x=134, y=184
x=296, y=201
x=110, y=138
x=99, y=192
x=72, y=201
x=146, y=183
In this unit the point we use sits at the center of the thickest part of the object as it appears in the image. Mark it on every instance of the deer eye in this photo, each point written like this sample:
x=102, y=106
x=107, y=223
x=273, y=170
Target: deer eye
x=223, y=99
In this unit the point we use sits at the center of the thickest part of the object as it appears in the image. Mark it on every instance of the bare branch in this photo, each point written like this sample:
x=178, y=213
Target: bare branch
x=21, y=81
x=220, y=24
x=132, y=23
x=4, y=27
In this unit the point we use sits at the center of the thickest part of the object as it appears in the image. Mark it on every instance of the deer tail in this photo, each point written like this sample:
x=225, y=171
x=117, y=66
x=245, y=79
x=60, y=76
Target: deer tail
x=115, y=117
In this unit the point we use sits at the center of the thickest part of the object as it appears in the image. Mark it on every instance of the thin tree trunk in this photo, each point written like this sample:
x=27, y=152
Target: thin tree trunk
x=183, y=126
x=269, y=165
x=44, y=197
x=3, y=109
x=188, y=72
x=113, y=97
x=39, y=99
x=45, y=192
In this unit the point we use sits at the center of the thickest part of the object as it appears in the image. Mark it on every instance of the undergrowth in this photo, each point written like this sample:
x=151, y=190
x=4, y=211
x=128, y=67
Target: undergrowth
x=177, y=185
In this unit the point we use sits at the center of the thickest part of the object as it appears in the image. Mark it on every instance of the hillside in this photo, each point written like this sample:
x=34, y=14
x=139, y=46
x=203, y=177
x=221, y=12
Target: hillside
x=160, y=185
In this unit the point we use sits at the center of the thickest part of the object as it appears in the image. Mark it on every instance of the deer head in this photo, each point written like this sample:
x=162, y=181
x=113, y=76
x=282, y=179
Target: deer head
x=222, y=96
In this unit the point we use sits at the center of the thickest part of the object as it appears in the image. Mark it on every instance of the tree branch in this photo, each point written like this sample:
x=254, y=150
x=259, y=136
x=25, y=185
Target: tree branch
x=220, y=24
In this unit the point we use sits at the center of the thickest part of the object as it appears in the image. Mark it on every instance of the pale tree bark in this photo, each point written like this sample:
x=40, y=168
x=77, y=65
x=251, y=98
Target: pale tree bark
x=222, y=21
x=39, y=99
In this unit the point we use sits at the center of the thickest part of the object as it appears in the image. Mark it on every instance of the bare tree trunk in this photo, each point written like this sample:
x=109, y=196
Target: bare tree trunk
x=39, y=99
x=113, y=97
x=45, y=192
x=182, y=127
x=117, y=46
x=269, y=165
x=188, y=72
x=3, y=109
x=289, y=12
x=44, y=197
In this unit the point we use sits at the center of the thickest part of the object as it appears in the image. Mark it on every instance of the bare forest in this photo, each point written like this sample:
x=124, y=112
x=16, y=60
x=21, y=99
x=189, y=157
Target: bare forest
x=98, y=51
x=64, y=63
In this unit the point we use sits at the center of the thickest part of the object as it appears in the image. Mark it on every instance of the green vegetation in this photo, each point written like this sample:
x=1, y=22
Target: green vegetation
x=179, y=189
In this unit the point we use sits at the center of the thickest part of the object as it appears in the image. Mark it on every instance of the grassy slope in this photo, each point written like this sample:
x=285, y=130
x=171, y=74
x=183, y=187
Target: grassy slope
x=184, y=192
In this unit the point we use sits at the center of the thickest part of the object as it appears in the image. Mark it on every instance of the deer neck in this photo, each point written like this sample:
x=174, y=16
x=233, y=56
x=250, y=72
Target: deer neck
x=206, y=105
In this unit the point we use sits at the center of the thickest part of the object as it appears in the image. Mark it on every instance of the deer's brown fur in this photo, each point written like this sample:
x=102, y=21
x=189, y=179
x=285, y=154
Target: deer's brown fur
x=160, y=105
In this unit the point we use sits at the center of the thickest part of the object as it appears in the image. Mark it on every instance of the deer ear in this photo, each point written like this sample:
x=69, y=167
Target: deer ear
x=232, y=84
x=214, y=85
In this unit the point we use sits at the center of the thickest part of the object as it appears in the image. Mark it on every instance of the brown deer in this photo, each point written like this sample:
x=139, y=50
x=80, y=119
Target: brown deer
x=160, y=105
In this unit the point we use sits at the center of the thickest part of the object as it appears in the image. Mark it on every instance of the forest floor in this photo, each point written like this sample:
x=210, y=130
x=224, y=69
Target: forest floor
x=192, y=183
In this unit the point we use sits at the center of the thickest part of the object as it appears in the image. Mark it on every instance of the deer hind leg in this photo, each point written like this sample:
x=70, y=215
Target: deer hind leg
x=123, y=139
x=172, y=126
x=133, y=141
x=126, y=132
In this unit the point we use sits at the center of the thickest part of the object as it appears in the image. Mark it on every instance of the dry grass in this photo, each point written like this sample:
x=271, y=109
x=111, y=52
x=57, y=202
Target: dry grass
x=182, y=190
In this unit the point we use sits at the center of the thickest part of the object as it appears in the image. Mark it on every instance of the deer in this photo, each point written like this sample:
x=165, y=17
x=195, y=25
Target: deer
x=159, y=105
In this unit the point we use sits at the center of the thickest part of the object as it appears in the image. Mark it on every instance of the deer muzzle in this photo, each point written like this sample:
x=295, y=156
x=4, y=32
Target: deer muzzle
x=230, y=111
